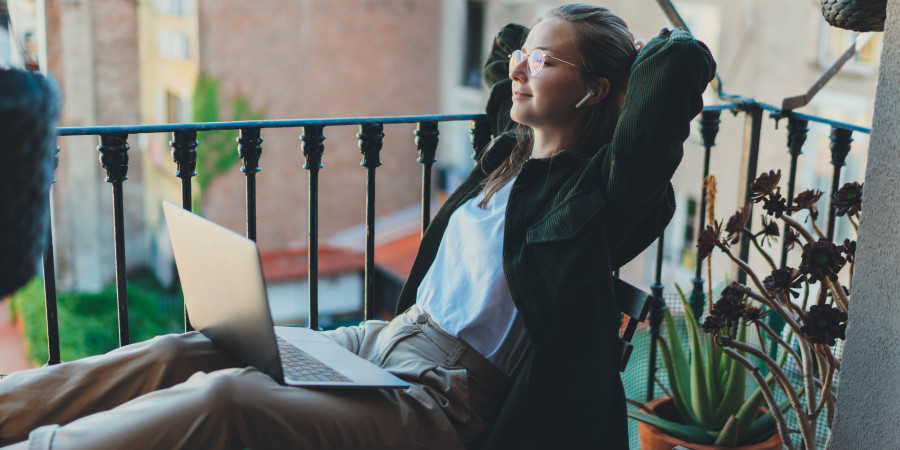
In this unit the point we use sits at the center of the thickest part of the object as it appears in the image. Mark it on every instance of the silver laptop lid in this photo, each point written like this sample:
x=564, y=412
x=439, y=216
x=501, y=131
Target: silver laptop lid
x=218, y=268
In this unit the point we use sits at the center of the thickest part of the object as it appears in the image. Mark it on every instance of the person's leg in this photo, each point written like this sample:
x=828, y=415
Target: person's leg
x=243, y=408
x=62, y=393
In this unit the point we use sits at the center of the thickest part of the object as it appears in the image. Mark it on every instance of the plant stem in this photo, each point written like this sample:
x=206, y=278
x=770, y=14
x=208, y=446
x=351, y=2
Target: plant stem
x=826, y=387
x=784, y=383
x=775, y=337
x=797, y=226
x=789, y=319
x=853, y=222
x=816, y=228
x=806, y=420
x=780, y=423
x=761, y=251
x=839, y=296
x=709, y=302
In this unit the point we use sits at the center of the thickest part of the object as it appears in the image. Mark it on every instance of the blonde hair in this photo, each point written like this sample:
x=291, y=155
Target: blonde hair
x=607, y=49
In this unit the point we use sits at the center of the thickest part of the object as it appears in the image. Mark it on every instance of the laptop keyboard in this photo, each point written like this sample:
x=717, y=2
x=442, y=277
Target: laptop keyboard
x=299, y=365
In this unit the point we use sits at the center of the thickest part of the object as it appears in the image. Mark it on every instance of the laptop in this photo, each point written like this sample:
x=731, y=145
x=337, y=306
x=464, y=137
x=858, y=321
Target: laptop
x=225, y=296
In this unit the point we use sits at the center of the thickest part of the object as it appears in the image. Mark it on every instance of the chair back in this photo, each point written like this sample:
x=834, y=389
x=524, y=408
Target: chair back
x=635, y=304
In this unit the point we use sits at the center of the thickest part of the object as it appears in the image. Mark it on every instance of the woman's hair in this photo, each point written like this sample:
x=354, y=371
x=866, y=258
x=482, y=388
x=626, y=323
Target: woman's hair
x=608, y=50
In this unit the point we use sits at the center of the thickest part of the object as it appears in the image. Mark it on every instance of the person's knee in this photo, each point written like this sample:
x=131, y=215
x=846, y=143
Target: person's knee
x=170, y=347
x=228, y=390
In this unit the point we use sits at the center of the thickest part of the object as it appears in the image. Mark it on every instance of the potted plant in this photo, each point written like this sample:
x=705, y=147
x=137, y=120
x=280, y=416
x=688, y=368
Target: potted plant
x=813, y=326
x=706, y=404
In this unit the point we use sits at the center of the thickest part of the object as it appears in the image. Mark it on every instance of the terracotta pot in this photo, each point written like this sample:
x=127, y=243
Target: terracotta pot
x=653, y=438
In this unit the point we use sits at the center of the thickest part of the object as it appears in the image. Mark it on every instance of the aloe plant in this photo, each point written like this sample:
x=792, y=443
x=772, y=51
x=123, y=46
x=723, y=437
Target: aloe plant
x=708, y=389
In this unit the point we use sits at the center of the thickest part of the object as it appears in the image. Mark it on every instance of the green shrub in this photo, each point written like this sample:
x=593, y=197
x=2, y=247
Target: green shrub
x=88, y=323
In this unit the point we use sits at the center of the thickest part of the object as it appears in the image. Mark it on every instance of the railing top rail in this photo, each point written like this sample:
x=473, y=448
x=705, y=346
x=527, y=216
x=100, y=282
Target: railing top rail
x=290, y=123
x=777, y=113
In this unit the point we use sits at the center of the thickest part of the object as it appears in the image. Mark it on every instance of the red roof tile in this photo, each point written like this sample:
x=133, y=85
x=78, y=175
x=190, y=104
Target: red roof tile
x=293, y=263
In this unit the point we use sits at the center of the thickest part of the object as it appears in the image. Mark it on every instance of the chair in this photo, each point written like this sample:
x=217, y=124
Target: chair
x=635, y=304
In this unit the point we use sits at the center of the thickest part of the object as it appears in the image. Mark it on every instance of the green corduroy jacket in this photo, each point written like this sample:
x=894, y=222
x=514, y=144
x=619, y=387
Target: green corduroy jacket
x=568, y=225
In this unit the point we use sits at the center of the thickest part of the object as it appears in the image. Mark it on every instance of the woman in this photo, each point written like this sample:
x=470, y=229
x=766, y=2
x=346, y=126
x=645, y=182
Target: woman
x=506, y=329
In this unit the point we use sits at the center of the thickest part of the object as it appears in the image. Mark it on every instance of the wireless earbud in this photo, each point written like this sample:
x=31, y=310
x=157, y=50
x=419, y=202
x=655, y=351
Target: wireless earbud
x=585, y=99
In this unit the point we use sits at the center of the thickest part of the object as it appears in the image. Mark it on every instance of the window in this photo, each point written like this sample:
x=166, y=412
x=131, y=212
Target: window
x=172, y=44
x=833, y=42
x=181, y=8
x=172, y=107
x=473, y=56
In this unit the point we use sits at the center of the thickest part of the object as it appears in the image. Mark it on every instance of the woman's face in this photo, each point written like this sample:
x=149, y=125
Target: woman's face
x=547, y=100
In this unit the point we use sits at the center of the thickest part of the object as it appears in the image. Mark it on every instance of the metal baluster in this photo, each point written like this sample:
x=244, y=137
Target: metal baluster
x=656, y=314
x=50, y=280
x=114, y=158
x=313, y=147
x=840, y=147
x=184, y=154
x=426, y=143
x=370, y=137
x=481, y=135
x=250, y=150
x=752, y=131
x=709, y=128
x=797, y=131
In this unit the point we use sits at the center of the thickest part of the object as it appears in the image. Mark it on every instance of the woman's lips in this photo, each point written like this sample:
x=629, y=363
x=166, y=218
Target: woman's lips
x=520, y=94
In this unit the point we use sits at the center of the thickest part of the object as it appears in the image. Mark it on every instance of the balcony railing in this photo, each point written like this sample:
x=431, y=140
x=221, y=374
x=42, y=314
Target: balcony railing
x=114, y=159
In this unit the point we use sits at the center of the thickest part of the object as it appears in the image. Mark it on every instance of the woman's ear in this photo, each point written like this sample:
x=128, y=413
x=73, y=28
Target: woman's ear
x=600, y=88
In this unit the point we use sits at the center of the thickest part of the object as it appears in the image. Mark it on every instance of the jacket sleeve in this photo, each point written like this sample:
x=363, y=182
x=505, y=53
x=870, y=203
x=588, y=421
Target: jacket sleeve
x=496, y=77
x=664, y=93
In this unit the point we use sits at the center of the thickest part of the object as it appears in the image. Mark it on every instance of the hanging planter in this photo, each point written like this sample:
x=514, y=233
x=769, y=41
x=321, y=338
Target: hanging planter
x=29, y=108
x=855, y=15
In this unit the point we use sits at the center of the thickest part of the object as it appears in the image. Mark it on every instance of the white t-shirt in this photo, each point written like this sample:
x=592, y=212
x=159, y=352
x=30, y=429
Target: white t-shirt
x=465, y=290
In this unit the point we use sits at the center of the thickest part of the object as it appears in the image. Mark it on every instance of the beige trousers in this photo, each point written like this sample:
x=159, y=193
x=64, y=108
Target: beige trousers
x=180, y=391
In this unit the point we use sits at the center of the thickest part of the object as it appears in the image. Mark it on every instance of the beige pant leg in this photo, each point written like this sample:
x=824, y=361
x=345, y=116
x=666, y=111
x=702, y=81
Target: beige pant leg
x=62, y=393
x=243, y=408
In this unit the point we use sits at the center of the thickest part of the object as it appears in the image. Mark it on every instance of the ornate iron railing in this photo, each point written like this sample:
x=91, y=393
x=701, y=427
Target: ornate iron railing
x=114, y=158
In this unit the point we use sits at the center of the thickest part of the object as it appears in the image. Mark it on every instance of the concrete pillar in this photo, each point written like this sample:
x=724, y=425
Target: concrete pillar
x=868, y=399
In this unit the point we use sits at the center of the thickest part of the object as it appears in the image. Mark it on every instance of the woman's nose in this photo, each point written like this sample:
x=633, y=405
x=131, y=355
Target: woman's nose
x=517, y=72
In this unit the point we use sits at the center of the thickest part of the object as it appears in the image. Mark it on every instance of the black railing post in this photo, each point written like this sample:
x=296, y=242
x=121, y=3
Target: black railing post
x=426, y=144
x=313, y=146
x=656, y=314
x=840, y=147
x=114, y=158
x=184, y=154
x=752, y=132
x=797, y=131
x=709, y=128
x=50, y=281
x=481, y=135
x=250, y=150
x=370, y=140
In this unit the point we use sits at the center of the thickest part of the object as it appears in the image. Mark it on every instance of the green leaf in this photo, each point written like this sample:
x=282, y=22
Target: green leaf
x=735, y=386
x=678, y=398
x=728, y=437
x=682, y=368
x=699, y=394
x=747, y=414
x=765, y=423
x=690, y=433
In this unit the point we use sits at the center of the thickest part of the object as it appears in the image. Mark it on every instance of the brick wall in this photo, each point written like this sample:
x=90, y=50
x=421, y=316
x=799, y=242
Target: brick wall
x=315, y=59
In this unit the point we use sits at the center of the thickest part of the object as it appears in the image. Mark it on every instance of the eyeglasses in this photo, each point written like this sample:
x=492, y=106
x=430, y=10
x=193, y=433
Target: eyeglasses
x=535, y=60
